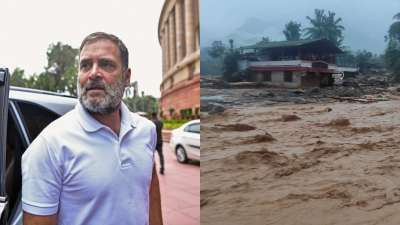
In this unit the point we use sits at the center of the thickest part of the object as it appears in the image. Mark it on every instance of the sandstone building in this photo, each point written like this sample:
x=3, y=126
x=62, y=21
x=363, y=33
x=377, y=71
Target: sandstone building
x=179, y=34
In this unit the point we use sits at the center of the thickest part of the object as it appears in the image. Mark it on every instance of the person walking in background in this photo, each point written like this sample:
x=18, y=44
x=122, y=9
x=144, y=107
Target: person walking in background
x=159, y=126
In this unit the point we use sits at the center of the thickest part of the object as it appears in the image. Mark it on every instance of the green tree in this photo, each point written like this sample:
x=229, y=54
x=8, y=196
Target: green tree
x=44, y=81
x=392, y=59
x=145, y=103
x=210, y=65
x=347, y=59
x=230, y=66
x=392, y=52
x=325, y=26
x=263, y=41
x=61, y=66
x=217, y=49
x=394, y=29
x=60, y=74
x=18, y=78
x=292, y=31
x=231, y=44
x=363, y=60
x=70, y=79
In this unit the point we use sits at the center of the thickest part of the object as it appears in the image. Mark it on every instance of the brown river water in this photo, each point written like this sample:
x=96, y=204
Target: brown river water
x=318, y=163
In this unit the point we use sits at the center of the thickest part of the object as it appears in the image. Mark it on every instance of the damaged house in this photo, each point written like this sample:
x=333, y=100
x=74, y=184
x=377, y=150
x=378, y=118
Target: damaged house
x=292, y=64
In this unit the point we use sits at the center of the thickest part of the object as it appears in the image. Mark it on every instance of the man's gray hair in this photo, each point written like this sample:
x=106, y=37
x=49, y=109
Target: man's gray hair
x=105, y=36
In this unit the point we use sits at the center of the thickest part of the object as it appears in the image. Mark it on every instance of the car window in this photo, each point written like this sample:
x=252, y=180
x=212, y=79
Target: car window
x=194, y=128
x=36, y=117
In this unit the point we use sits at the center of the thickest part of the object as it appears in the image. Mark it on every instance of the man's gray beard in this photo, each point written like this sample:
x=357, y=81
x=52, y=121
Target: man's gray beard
x=106, y=104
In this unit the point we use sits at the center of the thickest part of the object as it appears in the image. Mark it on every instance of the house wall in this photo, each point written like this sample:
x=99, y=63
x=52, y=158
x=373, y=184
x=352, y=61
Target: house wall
x=257, y=77
x=277, y=79
x=302, y=63
x=311, y=80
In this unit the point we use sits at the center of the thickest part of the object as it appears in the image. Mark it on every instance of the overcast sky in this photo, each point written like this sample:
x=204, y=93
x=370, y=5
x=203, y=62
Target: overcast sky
x=366, y=22
x=28, y=27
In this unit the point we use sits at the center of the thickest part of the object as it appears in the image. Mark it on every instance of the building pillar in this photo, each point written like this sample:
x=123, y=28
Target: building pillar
x=196, y=25
x=164, y=65
x=167, y=50
x=172, y=36
x=180, y=45
x=189, y=27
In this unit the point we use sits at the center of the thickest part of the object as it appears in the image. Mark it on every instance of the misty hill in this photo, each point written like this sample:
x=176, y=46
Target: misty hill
x=253, y=26
x=251, y=31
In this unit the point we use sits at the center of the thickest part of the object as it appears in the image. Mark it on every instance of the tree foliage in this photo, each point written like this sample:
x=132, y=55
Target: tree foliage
x=221, y=60
x=325, y=26
x=392, y=52
x=394, y=29
x=62, y=66
x=18, y=78
x=292, y=31
x=231, y=44
x=347, y=58
x=367, y=61
x=231, y=65
x=217, y=49
x=264, y=40
x=60, y=74
x=143, y=103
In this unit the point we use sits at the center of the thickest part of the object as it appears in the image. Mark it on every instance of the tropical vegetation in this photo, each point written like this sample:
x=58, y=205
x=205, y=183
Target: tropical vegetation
x=325, y=26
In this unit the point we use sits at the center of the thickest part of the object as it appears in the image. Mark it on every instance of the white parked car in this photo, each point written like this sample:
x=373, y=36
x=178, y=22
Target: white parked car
x=185, y=141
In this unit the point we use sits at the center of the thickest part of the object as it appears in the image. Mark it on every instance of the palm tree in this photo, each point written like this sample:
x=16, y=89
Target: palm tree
x=317, y=29
x=292, y=31
x=325, y=26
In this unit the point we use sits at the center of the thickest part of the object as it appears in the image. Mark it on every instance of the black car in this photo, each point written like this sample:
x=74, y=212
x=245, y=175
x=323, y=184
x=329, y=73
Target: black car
x=24, y=114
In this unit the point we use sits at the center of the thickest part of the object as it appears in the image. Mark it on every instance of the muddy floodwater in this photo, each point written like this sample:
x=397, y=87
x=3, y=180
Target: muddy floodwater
x=318, y=163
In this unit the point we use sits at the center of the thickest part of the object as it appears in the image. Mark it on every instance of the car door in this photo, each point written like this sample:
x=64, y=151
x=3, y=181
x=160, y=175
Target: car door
x=192, y=140
x=4, y=92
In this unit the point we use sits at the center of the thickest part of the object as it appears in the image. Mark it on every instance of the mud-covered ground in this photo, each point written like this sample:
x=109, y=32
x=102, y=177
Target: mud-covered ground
x=317, y=163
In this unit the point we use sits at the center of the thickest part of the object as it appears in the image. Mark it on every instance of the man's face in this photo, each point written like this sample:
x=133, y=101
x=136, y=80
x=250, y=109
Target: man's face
x=101, y=77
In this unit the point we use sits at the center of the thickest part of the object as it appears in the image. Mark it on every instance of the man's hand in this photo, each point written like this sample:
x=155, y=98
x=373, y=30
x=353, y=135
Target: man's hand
x=155, y=201
x=30, y=219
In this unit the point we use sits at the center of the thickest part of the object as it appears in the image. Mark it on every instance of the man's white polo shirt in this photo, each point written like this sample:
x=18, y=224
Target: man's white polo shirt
x=82, y=170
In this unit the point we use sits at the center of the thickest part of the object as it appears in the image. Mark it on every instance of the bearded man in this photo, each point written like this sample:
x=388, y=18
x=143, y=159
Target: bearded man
x=95, y=164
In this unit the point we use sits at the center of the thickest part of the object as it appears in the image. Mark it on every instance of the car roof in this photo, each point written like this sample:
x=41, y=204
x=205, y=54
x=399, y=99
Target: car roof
x=191, y=122
x=56, y=102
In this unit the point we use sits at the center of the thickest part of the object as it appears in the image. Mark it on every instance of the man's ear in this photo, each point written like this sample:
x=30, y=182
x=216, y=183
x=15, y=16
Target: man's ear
x=127, y=80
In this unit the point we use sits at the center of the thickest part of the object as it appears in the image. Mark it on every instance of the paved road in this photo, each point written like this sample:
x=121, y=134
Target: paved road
x=180, y=191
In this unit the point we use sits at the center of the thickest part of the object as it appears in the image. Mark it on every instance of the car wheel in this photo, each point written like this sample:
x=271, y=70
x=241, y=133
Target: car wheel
x=181, y=155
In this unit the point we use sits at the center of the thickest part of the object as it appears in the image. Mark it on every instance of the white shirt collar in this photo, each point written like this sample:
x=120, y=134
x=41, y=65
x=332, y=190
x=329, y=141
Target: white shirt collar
x=90, y=124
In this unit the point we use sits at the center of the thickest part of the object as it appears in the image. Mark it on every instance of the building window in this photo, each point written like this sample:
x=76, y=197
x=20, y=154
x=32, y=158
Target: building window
x=191, y=69
x=171, y=82
x=288, y=76
x=186, y=113
x=267, y=76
